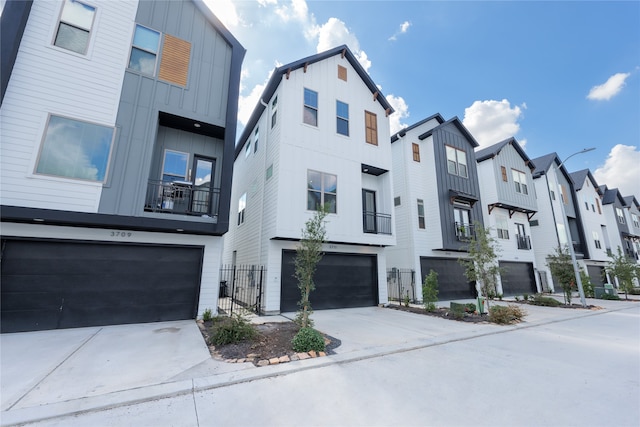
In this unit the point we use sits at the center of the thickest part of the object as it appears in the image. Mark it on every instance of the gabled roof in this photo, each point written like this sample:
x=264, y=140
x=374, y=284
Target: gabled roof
x=610, y=195
x=631, y=200
x=494, y=150
x=457, y=123
x=579, y=178
x=276, y=78
x=543, y=163
x=404, y=131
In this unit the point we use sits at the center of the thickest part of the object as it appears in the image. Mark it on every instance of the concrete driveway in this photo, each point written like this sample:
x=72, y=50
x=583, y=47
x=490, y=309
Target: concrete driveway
x=40, y=368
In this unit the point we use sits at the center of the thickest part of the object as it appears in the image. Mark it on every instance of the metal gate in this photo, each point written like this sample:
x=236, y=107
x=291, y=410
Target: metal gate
x=241, y=288
x=401, y=284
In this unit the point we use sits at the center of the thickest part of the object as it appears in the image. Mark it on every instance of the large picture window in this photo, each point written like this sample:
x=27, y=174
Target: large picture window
x=75, y=149
x=457, y=162
x=322, y=190
x=74, y=28
x=144, y=50
x=310, y=114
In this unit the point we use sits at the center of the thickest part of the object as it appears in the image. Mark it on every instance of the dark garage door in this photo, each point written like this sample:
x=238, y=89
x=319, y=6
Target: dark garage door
x=54, y=284
x=452, y=283
x=517, y=278
x=342, y=281
x=596, y=274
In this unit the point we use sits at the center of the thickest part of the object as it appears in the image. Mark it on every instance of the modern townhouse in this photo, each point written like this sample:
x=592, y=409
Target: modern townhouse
x=619, y=219
x=633, y=219
x=594, y=223
x=319, y=136
x=437, y=202
x=118, y=135
x=557, y=213
x=509, y=204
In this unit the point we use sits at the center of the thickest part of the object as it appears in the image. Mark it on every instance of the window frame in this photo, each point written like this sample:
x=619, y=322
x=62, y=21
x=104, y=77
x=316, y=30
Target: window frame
x=341, y=119
x=635, y=220
x=274, y=111
x=242, y=208
x=422, y=225
x=520, y=181
x=44, y=146
x=184, y=177
x=596, y=239
x=69, y=24
x=256, y=138
x=156, y=53
x=322, y=191
x=502, y=232
x=457, y=155
x=620, y=215
x=309, y=107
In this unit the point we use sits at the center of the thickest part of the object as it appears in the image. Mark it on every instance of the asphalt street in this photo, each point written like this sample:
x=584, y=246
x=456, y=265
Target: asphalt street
x=583, y=371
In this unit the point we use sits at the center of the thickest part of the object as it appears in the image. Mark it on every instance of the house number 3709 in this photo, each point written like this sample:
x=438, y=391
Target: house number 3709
x=121, y=234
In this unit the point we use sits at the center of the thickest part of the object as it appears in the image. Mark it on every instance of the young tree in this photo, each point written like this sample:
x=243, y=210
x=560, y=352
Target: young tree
x=430, y=291
x=625, y=270
x=308, y=255
x=562, y=270
x=482, y=263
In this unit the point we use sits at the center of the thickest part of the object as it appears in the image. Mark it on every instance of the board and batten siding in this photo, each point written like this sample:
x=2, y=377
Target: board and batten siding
x=506, y=193
x=51, y=80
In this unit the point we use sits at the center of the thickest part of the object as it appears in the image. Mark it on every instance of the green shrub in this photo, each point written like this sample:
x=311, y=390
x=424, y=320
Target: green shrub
x=505, y=315
x=207, y=315
x=634, y=291
x=458, y=310
x=610, y=296
x=539, y=299
x=406, y=299
x=308, y=339
x=430, y=291
x=587, y=286
x=232, y=330
x=525, y=297
x=470, y=307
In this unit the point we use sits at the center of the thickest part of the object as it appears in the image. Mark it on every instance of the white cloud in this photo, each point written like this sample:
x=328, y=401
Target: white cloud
x=401, y=112
x=404, y=27
x=608, y=89
x=334, y=33
x=225, y=11
x=492, y=121
x=621, y=171
x=246, y=104
x=296, y=11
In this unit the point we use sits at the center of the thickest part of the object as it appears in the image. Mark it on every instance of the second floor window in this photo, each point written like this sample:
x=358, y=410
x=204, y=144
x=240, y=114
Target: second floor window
x=502, y=227
x=256, y=136
x=342, y=118
x=274, y=112
x=457, y=162
x=620, y=215
x=322, y=190
x=596, y=239
x=421, y=221
x=636, y=222
x=74, y=28
x=310, y=114
x=520, y=181
x=144, y=50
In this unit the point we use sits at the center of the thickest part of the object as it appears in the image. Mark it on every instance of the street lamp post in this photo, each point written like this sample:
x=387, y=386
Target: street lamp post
x=568, y=233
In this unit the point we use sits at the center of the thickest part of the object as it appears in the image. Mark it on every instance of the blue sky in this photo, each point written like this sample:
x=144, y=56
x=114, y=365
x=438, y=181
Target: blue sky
x=559, y=76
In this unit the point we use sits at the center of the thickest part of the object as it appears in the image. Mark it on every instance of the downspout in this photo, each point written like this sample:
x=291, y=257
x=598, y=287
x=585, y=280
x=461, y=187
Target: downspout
x=264, y=164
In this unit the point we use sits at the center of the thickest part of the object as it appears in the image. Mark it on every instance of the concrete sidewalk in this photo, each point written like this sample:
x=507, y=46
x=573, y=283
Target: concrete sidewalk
x=54, y=373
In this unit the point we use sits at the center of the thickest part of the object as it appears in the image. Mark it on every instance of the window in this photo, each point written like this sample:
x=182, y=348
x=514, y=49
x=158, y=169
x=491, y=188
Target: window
x=322, y=190
x=144, y=50
x=342, y=73
x=274, y=114
x=396, y=201
x=242, y=204
x=636, y=222
x=416, y=152
x=75, y=149
x=342, y=118
x=620, y=215
x=598, y=205
x=174, y=167
x=310, y=114
x=74, y=28
x=596, y=239
x=457, y=162
x=247, y=149
x=256, y=136
x=563, y=194
x=462, y=222
x=502, y=227
x=269, y=172
x=553, y=194
x=520, y=180
x=371, y=128
x=503, y=170
x=421, y=222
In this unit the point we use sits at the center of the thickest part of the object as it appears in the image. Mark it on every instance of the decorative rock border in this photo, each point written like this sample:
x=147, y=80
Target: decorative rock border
x=252, y=358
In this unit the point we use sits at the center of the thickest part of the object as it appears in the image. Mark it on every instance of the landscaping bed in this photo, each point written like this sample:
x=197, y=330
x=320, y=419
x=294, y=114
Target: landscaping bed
x=444, y=313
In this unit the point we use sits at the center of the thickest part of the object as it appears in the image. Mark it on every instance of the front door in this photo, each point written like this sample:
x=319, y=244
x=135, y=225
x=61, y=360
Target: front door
x=202, y=184
x=369, y=211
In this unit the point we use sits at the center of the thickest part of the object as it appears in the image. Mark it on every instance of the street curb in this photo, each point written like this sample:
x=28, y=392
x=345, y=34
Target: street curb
x=182, y=387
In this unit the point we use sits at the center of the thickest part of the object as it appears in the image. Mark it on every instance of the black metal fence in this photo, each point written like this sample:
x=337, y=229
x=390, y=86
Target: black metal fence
x=241, y=289
x=401, y=284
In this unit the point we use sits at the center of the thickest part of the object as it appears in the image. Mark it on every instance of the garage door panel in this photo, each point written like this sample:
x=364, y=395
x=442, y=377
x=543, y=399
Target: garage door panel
x=97, y=283
x=517, y=278
x=342, y=281
x=452, y=283
x=597, y=275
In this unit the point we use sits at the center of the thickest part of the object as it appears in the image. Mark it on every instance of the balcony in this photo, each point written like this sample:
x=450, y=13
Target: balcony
x=376, y=223
x=524, y=242
x=182, y=198
x=464, y=232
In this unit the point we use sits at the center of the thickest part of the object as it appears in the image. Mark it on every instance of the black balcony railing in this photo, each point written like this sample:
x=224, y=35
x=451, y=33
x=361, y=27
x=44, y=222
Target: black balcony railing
x=524, y=242
x=182, y=198
x=376, y=223
x=464, y=232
